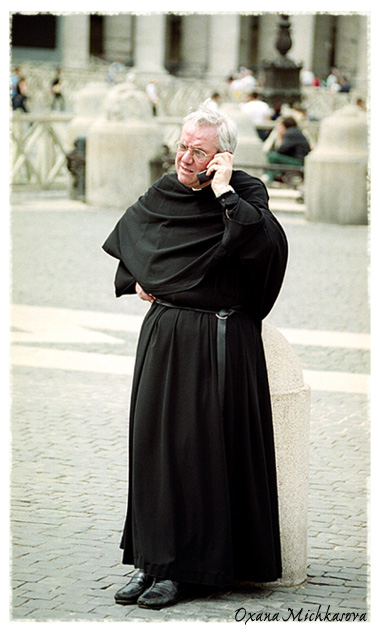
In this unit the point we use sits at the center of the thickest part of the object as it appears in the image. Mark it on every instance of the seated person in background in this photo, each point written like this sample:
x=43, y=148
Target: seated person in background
x=292, y=147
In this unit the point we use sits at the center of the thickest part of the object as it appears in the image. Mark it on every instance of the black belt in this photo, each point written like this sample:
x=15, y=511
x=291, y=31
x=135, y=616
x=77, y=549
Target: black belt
x=222, y=316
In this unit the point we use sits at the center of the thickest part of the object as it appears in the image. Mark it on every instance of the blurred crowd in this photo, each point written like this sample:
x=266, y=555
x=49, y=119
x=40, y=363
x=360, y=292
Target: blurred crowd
x=240, y=86
x=18, y=91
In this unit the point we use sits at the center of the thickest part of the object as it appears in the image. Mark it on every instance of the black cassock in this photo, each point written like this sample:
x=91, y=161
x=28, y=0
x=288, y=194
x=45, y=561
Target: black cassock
x=202, y=500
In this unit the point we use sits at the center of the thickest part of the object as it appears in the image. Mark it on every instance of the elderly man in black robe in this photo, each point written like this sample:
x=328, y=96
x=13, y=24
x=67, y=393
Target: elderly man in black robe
x=210, y=258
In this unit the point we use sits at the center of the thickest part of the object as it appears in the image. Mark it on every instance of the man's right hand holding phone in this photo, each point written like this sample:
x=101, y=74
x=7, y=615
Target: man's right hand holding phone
x=221, y=166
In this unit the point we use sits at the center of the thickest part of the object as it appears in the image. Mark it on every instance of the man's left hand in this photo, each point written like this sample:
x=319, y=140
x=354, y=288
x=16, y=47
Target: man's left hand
x=144, y=295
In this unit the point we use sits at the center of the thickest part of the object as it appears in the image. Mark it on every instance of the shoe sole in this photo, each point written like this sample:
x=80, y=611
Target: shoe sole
x=127, y=602
x=180, y=597
x=131, y=600
x=158, y=607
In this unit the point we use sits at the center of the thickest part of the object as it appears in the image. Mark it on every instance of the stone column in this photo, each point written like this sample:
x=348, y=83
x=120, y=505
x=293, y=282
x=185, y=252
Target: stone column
x=195, y=44
x=268, y=26
x=350, y=44
x=118, y=37
x=149, y=57
x=302, y=34
x=75, y=40
x=362, y=74
x=223, y=54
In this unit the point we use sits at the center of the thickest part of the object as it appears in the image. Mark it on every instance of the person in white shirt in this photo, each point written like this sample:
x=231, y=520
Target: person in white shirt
x=259, y=112
x=151, y=90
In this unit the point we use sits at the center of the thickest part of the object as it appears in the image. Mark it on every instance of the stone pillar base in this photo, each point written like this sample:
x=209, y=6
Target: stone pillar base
x=118, y=162
x=336, y=187
x=120, y=147
x=291, y=423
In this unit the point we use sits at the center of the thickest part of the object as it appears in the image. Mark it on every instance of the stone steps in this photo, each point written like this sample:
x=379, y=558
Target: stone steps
x=283, y=200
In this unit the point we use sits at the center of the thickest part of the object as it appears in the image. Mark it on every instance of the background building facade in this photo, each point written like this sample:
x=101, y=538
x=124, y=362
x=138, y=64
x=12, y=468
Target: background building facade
x=193, y=45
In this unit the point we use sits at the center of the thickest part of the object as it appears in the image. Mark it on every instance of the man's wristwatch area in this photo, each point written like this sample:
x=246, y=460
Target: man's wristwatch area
x=225, y=189
x=228, y=199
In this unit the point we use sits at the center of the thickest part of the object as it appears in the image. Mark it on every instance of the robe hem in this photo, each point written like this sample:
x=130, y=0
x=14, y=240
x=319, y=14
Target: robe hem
x=175, y=573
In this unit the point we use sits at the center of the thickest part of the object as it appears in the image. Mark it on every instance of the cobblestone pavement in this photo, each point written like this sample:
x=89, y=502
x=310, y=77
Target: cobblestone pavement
x=69, y=421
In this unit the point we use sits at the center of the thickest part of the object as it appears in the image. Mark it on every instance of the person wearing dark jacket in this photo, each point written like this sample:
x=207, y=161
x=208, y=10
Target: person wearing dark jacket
x=292, y=147
x=210, y=258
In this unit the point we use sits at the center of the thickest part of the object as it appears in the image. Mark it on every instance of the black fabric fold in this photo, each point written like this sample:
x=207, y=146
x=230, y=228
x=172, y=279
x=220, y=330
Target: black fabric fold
x=173, y=236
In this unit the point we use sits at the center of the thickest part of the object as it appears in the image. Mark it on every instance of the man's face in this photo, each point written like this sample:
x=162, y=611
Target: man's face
x=187, y=165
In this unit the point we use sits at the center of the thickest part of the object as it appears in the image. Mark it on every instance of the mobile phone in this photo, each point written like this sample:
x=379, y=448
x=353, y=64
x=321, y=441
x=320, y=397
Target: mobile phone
x=203, y=178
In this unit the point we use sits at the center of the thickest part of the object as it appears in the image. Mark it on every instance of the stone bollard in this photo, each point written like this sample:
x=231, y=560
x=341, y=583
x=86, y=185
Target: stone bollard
x=249, y=150
x=88, y=104
x=336, y=170
x=120, y=146
x=291, y=421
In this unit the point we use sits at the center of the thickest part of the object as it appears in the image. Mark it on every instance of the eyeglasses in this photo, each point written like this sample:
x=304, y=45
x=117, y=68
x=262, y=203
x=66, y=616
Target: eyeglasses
x=198, y=154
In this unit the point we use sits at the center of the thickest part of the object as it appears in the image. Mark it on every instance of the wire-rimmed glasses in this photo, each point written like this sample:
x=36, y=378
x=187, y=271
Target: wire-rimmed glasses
x=198, y=154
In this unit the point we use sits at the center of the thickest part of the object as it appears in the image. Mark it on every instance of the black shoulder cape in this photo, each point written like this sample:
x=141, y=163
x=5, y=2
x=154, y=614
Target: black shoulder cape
x=172, y=236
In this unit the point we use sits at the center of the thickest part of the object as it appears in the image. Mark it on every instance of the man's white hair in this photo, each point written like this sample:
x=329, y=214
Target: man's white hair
x=226, y=128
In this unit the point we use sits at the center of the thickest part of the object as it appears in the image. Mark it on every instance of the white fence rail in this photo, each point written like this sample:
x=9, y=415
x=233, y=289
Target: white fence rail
x=39, y=146
x=38, y=149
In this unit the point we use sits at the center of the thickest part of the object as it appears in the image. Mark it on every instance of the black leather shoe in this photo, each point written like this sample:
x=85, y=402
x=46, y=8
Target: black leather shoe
x=163, y=592
x=132, y=591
